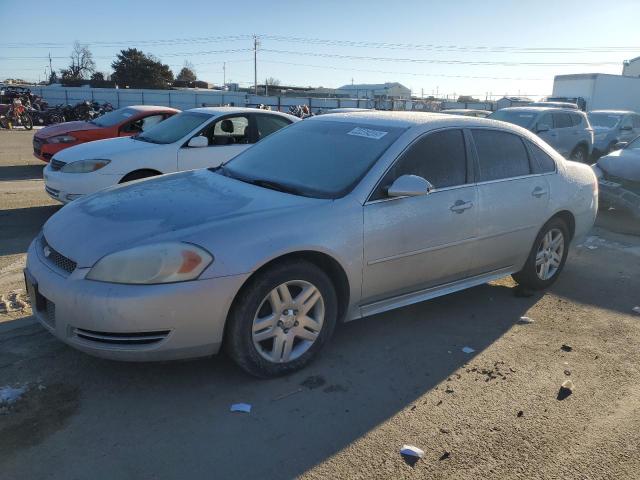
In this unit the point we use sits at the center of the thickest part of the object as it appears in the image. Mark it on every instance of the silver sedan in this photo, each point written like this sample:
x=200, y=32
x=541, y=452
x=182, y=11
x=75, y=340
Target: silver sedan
x=331, y=219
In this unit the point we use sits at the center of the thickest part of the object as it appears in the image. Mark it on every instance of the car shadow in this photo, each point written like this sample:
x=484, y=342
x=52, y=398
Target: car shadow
x=21, y=172
x=178, y=413
x=21, y=225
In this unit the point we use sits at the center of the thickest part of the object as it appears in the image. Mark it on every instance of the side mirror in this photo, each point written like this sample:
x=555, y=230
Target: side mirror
x=198, y=142
x=625, y=128
x=620, y=145
x=543, y=127
x=409, y=186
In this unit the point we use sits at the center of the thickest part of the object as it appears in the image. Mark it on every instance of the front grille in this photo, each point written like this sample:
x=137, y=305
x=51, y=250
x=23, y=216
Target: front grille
x=117, y=338
x=57, y=164
x=56, y=258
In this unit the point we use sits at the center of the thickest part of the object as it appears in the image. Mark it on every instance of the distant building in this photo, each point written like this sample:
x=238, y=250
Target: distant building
x=505, y=102
x=631, y=68
x=374, y=91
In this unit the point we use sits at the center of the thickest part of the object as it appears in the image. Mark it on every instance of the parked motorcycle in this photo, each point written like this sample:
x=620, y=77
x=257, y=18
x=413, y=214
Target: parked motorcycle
x=15, y=114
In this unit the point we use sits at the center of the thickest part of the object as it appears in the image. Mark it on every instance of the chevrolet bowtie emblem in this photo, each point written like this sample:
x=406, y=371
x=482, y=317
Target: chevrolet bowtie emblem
x=47, y=251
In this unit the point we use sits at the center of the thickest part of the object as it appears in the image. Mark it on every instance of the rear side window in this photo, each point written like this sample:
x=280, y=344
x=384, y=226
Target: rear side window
x=500, y=155
x=268, y=124
x=542, y=163
x=438, y=157
x=576, y=119
x=562, y=120
x=636, y=121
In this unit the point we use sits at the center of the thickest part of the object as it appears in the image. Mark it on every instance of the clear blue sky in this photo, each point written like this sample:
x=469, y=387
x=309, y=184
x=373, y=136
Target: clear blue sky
x=439, y=31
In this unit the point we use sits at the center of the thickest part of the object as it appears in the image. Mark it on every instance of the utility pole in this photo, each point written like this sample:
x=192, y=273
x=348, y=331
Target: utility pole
x=50, y=67
x=255, y=63
x=224, y=74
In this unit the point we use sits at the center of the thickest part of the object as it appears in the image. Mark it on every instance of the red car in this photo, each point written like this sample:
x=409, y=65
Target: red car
x=119, y=123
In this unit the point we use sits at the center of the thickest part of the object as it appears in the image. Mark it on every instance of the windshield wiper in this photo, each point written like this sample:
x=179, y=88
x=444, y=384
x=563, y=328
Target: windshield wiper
x=142, y=139
x=270, y=184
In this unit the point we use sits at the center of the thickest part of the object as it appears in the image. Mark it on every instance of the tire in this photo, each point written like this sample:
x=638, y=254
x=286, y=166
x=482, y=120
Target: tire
x=55, y=118
x=138, y=175
x=530, y=276
x=26, y=122
x=253, y=344
x=579, y=154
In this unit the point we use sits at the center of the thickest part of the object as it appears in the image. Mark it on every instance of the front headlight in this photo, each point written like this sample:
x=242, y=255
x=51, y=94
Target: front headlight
x=62, y=139
x=151, y=264
x=598, y=171
x=85, y=166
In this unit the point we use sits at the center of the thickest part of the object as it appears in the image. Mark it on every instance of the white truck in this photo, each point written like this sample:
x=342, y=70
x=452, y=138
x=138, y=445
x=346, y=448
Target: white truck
x=600, y=91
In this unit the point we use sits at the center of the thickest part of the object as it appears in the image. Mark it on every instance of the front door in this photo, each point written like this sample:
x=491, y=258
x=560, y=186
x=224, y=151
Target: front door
x=412, y=243
x=227, y=137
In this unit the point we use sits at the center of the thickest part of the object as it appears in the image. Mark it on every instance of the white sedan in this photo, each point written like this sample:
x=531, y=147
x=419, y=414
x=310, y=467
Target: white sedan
x=197, y=138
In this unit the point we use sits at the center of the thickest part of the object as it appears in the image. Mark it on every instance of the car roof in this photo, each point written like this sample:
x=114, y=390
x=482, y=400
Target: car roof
x=462, y=110
x=414, y=119
x=216, y=111
x=151, y=108
x=542, y=109
x=613, y=112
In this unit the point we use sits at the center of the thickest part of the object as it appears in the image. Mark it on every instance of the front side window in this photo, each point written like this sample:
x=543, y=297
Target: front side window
x=500, y=155
x=268, y=124
x=576, y=119
x=522, y=118
x=438, y=157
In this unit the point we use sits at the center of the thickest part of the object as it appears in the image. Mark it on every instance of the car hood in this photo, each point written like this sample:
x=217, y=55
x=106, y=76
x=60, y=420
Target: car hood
x=65, y=128
x=622, y=163
x=104, y=149
x=188, y=206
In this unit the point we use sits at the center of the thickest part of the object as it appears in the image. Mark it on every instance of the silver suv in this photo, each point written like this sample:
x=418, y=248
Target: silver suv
x=612, y=127
x=567, y=130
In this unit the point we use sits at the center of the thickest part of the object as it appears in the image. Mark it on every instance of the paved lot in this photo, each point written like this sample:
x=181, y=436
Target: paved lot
x=396, y=378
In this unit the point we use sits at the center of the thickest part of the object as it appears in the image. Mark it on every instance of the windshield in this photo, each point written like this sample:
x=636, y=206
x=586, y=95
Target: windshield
x=604, y=120
x=174, y=128
x=113, y=118
x=518, y=117
x=322, y=159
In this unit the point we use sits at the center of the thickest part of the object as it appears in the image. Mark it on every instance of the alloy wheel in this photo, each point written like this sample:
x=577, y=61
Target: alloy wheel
x=288, y=321
x=549, y=254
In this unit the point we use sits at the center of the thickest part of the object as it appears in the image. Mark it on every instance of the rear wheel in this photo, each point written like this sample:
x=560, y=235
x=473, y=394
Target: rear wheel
x=26, y=121
x=547, y=257
x=579, y=154
x=281, y=319
x=138, y=175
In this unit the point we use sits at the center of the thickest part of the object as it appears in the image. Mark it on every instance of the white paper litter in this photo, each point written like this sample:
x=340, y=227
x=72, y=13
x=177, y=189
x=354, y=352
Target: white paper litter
x=10, y=395
x=591, y=247
x=241, y=407
x=412, y=451
x=525, y=320
x=468, y=350
x=636, y=309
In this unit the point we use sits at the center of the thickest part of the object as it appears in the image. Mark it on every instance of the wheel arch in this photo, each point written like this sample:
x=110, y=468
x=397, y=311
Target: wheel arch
x=568, y=218
x=150, y=171
x=325, y=262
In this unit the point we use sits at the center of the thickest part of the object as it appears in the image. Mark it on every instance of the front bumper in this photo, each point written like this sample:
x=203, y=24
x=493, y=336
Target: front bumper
x=45, y=151
x=129, y=322
x=65, y=187
x=616, y=195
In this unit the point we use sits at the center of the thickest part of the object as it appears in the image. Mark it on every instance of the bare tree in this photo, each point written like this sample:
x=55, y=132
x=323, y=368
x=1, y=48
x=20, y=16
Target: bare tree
x=82, y=64
x=272, y=81
x=188, y=73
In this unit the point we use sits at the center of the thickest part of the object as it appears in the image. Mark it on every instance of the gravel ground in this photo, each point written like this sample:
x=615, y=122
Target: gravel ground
x=393, y=379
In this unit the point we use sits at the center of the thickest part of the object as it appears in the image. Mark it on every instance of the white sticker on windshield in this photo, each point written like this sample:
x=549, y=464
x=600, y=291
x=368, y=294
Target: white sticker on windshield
x=367, y=133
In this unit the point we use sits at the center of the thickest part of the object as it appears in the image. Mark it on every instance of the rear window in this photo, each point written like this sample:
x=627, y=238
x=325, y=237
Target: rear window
x=562, y=120
x=500, y=155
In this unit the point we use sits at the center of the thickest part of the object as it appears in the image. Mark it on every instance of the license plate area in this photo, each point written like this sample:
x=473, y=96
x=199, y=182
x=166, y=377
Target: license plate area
x=38, y=302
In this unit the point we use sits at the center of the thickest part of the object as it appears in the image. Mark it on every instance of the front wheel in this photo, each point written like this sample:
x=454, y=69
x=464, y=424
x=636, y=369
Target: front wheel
x=547, y=257
x=281, y=319
x=26, y=121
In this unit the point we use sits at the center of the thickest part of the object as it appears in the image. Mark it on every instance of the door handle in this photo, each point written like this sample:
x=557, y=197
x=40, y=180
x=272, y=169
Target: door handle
x=539, y=192
x=460, y=206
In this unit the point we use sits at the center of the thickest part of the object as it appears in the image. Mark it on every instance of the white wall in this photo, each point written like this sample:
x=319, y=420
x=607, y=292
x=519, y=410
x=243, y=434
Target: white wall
x=185, y=99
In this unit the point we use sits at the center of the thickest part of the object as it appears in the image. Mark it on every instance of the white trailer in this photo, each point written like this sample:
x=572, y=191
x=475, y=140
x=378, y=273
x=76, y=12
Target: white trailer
x=601, y=91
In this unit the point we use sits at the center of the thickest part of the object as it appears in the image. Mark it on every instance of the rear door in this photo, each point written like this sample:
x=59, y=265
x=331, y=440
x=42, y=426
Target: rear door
x=513, y=200
x=226, y=136
x=412, y=243
x=564, y=133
